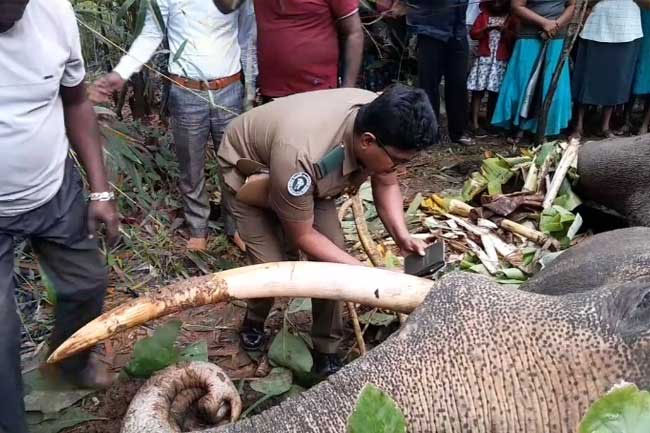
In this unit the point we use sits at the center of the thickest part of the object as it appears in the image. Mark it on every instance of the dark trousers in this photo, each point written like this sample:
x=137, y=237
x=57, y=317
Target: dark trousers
x=58, y=235
x=437, y=59
x=194, y=120
x=266, y=242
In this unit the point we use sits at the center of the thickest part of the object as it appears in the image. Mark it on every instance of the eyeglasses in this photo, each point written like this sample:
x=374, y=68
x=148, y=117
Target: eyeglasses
x=394, y=159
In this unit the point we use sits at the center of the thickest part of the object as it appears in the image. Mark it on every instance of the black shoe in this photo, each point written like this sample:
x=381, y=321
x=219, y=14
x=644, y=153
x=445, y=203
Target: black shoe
x=326, y=364
x=252, y=336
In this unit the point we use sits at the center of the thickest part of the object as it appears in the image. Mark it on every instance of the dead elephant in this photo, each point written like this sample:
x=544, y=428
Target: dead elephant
x=615, y=173
x=474, y=357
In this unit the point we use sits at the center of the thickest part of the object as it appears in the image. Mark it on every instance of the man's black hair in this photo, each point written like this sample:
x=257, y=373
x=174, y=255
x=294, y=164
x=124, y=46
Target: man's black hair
x=401, y=116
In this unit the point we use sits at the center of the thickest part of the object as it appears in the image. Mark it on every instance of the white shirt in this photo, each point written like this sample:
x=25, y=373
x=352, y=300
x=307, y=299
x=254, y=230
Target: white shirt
x=613, y=21
x=210, y=40
x=40, y=53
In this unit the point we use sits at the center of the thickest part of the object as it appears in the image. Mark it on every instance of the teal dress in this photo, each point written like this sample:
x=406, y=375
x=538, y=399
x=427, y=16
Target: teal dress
x=513, y=90
x=642, y=76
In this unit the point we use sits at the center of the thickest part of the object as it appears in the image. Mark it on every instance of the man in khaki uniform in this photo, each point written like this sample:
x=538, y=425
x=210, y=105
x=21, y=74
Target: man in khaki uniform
x=286, y=162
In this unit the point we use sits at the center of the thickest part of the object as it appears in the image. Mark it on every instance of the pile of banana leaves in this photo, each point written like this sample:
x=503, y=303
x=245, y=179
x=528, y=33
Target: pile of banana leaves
x=503, y=222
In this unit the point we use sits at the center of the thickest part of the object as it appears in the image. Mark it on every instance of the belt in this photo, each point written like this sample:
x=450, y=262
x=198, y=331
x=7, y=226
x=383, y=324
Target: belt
x=217, y=84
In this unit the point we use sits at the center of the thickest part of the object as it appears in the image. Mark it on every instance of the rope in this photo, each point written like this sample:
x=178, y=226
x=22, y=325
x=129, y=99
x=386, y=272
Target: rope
x=152, y=69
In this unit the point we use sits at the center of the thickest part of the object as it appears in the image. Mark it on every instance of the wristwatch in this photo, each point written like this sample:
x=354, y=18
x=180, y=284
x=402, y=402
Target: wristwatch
x=101, y=196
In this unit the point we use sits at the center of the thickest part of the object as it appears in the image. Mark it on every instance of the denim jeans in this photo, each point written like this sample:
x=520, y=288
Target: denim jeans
x=193, y=121
x=58, y=234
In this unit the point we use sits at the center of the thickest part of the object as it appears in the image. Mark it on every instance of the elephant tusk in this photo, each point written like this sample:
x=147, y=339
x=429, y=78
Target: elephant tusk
x=374, y=287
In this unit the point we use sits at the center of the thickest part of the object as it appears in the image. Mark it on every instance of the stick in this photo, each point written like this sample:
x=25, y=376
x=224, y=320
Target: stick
x=368, y=243
x=534, y=235
x=364, y=234
x=345, y=207
x=456, y=207
x=531, y=178
x=569, y=42
x=568, y=158
x=352, y=309
x=543, y=171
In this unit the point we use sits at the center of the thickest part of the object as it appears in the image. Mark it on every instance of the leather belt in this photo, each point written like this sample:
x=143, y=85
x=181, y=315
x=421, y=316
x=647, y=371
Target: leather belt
x=217, y=84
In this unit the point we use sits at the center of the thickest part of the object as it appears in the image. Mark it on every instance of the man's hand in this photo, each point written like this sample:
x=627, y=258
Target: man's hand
x=102, y=89
x=411, y=245
x=104, y=212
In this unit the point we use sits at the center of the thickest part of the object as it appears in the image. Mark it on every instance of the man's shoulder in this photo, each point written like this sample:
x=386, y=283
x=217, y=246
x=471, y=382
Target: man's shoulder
x=56, y=12
x=353, y=96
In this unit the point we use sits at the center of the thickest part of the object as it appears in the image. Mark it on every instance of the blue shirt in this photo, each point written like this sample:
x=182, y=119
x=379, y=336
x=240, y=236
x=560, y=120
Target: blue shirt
x=439, y=19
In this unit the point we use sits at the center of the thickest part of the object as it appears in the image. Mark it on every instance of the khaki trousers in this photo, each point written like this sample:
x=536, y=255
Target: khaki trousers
x=266, y=242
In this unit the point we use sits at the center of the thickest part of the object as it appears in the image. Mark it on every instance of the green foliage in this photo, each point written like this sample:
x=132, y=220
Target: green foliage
x=159, y=351
x=299, y=304
x=50, y=291
x=276, y=383
x=377, y=319
x=560, y=223
x=376, y=412
x=156, y=352
x=290, y=352
x=623, y=410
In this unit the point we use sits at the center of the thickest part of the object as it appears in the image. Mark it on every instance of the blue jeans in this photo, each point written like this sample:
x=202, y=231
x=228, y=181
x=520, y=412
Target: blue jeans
x=193, y=121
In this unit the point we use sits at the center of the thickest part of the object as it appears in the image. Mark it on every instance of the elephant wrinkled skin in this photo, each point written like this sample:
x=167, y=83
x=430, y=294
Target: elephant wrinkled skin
x=478, y=357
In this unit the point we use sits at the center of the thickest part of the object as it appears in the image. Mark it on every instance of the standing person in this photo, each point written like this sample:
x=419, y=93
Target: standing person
x=44, y=113
x=540, y=43
x=443, y=52
x=611, y=36
x=495, y=30
x=287, y=161
x=641, y=87
x=208, y=69
x=300, y=44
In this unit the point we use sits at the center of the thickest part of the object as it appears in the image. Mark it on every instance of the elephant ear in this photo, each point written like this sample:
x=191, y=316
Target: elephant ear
x=628, y=309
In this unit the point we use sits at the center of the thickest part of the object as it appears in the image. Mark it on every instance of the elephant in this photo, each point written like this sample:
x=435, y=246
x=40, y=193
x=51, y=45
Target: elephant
x=608, y=258
x=614, y=173
x=475, y=356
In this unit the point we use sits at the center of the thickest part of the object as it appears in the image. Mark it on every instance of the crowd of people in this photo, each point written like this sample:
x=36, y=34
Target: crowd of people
x=514, y=48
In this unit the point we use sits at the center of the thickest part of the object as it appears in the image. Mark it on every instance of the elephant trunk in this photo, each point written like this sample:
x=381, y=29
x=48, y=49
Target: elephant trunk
x=368, y=286
x=160, y=405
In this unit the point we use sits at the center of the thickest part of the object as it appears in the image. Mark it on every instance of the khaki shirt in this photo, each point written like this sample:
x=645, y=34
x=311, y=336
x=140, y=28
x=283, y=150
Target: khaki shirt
x=289, y=136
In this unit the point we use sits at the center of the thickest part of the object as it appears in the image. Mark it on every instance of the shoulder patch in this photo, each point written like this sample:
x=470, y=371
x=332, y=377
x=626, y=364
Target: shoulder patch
x=299, y=184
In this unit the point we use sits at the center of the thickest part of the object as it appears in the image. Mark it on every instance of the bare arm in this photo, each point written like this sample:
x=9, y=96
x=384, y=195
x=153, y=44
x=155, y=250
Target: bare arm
x=351, y=33
x=389, y=202
x=567, y=15
x=315, y=244
x=228, y=6
x=520, y=9
x=85, y=139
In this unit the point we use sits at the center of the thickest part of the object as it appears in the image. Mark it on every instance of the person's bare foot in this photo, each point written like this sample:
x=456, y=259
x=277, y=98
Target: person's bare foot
x=576, y=135
x=624, y=130
x=96, y=375
x=197, y=244
x=607, y=133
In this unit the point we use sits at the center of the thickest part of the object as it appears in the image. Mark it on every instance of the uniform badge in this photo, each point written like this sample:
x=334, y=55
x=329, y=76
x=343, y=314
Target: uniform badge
x=299, y=184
